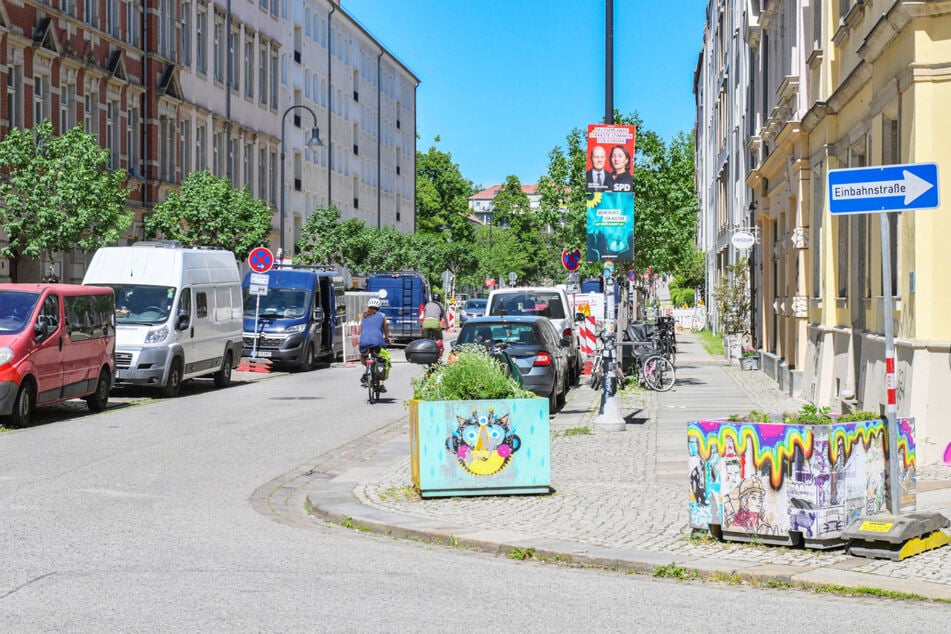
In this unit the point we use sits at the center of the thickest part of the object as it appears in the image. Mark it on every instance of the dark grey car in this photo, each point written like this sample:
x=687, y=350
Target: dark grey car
x=534, y=344
x=473, y=307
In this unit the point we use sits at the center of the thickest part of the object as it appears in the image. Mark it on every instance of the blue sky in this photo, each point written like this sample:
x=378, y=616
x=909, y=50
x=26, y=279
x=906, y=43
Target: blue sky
x=505, y=81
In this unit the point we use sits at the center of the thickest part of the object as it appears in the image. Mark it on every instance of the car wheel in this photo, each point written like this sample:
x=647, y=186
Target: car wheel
x=98, y=400
x=562, y=394
x=23, y=405
x=174, y=385
x=307, y=361
x=223, y=376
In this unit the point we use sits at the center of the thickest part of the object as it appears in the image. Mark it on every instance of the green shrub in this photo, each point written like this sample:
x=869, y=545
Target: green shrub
x=472, y=375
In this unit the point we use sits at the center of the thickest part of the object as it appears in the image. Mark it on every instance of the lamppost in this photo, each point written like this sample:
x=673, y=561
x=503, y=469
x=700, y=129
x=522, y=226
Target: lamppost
x=313, y=143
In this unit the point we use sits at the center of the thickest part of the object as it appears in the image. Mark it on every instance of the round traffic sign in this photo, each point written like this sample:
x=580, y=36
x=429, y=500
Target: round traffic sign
x=571, y=260
x=261, y=259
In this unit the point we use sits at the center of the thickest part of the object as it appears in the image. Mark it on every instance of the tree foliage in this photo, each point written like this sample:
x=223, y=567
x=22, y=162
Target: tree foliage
x=57, y=194
x=442, y=195
x=208, y=211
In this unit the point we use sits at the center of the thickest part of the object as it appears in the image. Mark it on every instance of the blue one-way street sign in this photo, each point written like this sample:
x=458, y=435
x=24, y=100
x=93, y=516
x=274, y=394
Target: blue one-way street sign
x=885, y=188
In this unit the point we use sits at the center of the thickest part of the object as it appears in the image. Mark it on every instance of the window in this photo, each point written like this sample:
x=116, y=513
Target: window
x=67, y=7
x=91, y=110
x=218, y=151
x=298, y=43
x=273, y=81
x=90, y=14
x=41, y=96
x=262, y=174
x=113, y=18
x=249, y=65
x=233, y=148
x=132, y=139
x=167, y=144
x=112, y=132
x=186, y=151
x=233, y=66
x=272, y=178
x=218, y=52
x=201, y=148
x=201, y=305
x=297, y=172
x=262, y=74
x=67, y=107
x=14, y=92
x=248, y=165
x=132, y=22
x=89, y=316
x=186, y=34
x=201, y=45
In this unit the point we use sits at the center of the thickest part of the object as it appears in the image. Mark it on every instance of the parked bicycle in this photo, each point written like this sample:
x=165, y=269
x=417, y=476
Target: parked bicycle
x=652, y=369
x=597, y=370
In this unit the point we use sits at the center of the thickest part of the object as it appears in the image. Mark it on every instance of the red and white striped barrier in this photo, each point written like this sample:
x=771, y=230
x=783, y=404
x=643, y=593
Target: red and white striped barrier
x=586, y=336
x=451, y=317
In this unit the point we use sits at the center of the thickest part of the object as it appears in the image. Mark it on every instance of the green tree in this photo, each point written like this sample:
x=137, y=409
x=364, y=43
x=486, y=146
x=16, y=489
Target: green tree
x=442, y=196
x=327, y=240
x=208, y=211
x=58, y=194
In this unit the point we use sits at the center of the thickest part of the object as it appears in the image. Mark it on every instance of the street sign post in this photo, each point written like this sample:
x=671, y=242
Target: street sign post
x=857, y=190
x=883, y=189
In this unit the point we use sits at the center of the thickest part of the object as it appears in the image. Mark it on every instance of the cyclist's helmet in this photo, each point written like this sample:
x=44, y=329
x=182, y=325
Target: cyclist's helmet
x=374, y=302
x=436, y=297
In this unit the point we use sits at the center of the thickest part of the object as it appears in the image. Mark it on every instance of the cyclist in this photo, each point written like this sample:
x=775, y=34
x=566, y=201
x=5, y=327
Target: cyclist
x=374, y=335
x=433, y=315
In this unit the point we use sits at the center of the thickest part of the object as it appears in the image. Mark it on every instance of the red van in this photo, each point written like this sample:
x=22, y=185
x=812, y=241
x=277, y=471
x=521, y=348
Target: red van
x=57, y=342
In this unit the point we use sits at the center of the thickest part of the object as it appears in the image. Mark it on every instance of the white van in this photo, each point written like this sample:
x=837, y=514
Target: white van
x=178, y=312
x=546, y=301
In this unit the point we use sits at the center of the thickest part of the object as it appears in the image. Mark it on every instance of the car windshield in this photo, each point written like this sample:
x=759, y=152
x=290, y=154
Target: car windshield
x=474, y=304
x=16, y=308
x=143, y=304
x=486, y=333
x=531, y=304
x=286, y=303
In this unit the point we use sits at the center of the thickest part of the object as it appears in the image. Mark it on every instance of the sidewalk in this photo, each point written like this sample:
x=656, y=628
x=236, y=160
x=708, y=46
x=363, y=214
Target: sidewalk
x=621, y=498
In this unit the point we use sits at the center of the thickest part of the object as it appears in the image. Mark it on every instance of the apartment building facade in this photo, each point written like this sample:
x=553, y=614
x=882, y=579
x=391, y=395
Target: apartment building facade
x=838, y=84
x=170, y=87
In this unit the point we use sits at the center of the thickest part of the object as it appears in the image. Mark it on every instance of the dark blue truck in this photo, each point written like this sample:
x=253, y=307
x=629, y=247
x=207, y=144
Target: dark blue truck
x=403, y=294
x=298, y=320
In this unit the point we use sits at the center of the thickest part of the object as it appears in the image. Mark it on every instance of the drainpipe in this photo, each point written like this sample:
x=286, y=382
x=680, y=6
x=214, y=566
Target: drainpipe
x=147, y=97
x=379, y=142
x=330, y=154
x=229, y=160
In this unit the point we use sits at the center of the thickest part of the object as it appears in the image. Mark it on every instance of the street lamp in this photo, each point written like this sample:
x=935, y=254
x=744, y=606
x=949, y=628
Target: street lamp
x=313, y=143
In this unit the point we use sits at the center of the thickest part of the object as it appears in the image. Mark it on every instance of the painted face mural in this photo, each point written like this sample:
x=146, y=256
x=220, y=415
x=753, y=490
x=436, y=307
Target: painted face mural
x=483, y=445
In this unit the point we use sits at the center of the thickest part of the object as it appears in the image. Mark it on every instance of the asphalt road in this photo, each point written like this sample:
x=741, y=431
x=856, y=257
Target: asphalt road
x=139, y=519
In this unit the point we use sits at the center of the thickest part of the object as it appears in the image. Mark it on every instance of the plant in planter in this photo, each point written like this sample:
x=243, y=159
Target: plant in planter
x=475, y=431
x=749, y=359
x=795, y=478
x=732, y=299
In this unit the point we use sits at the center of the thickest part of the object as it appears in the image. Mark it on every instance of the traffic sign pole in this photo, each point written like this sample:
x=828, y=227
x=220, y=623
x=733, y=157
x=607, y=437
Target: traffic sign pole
x=894, y=488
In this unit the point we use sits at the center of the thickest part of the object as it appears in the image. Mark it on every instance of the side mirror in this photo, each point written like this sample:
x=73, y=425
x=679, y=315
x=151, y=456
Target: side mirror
x=182, y=322
x=579, y=316
x=42, y=327
x=565, y=342
x=318, y=314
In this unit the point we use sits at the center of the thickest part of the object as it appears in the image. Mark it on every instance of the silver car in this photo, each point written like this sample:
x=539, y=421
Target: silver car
x=472, y=308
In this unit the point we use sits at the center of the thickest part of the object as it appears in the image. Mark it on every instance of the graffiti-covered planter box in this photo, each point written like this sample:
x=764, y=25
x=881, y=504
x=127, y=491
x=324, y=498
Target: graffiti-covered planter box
x=485, y=447
x=790, y=484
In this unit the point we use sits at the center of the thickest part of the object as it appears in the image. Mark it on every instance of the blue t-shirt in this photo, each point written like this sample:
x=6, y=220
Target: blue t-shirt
x=371, y=331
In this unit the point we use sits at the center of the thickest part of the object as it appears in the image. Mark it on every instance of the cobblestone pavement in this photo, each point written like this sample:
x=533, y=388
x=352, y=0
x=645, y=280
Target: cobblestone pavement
x=627, y=492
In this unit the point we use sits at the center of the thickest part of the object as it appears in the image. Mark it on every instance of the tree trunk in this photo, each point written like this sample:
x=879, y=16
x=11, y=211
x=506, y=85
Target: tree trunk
x=14, y=261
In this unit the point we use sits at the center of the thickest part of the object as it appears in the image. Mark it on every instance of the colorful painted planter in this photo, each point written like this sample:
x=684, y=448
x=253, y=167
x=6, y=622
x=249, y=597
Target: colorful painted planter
x=485, y=447
x=793, y=484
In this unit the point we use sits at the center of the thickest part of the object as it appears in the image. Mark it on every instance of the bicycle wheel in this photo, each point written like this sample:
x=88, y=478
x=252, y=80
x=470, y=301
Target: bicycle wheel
x=373, y=390
x=596, y=375
x=659, y=373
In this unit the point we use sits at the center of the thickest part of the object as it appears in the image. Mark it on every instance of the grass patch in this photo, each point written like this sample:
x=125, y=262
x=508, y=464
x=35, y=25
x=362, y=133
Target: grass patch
x=574, y=431
x=673, y=571
x=732, y=578
x=865, y=591
x=3, y=429
x=698, y=537
x=776, y=584
x=711, y=342
x=347, y=522
x=405, y=493
x=521, y=554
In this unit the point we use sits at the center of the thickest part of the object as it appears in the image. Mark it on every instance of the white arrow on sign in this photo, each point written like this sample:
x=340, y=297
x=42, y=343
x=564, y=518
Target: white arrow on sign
x=911, y=186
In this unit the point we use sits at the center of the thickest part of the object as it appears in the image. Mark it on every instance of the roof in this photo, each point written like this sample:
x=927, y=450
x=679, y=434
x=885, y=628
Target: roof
x=489, y=192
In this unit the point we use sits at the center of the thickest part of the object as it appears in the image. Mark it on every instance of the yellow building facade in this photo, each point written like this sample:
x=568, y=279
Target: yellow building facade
x=877, y=83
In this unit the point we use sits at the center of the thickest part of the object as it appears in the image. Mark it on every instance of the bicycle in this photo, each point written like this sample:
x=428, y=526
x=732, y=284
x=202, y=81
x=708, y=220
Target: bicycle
x=597, y=370
x=654, y=371
x=373, y=375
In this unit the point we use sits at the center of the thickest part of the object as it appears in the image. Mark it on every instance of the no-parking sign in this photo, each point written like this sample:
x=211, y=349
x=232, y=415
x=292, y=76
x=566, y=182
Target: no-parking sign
x=261, y=259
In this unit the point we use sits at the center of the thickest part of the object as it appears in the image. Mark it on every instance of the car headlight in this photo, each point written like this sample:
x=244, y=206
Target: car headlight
x=157, y=336
x=297, y=328
x=5, y=355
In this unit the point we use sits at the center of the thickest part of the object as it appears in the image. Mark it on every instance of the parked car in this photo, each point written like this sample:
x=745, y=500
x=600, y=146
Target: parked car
x=57, y=342
x=472, y=308
x=546, y=301
x=534, y=344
